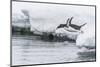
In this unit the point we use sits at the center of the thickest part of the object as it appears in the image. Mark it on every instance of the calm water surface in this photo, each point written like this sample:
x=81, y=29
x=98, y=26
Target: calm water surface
x=31, y=50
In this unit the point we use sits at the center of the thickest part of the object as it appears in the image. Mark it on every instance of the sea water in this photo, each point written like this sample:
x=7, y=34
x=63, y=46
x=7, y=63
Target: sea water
x=30, y=50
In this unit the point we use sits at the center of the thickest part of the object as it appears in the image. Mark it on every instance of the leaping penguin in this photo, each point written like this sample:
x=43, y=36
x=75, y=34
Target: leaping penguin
x=69, y=24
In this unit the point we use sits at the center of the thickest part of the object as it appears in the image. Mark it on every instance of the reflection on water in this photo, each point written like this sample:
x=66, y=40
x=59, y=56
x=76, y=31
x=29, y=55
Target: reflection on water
x=31, y=50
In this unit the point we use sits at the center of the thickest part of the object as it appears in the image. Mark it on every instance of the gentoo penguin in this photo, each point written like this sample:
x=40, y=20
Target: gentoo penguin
x=68, y=23
x=63, y=25
x=74, y=25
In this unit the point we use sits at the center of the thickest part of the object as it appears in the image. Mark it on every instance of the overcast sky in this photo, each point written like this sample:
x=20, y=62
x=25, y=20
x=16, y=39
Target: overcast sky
x=48, y=16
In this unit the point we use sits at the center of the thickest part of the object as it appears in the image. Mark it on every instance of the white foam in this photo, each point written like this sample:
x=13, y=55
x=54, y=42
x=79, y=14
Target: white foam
x=87, y=38
x=67, y=32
